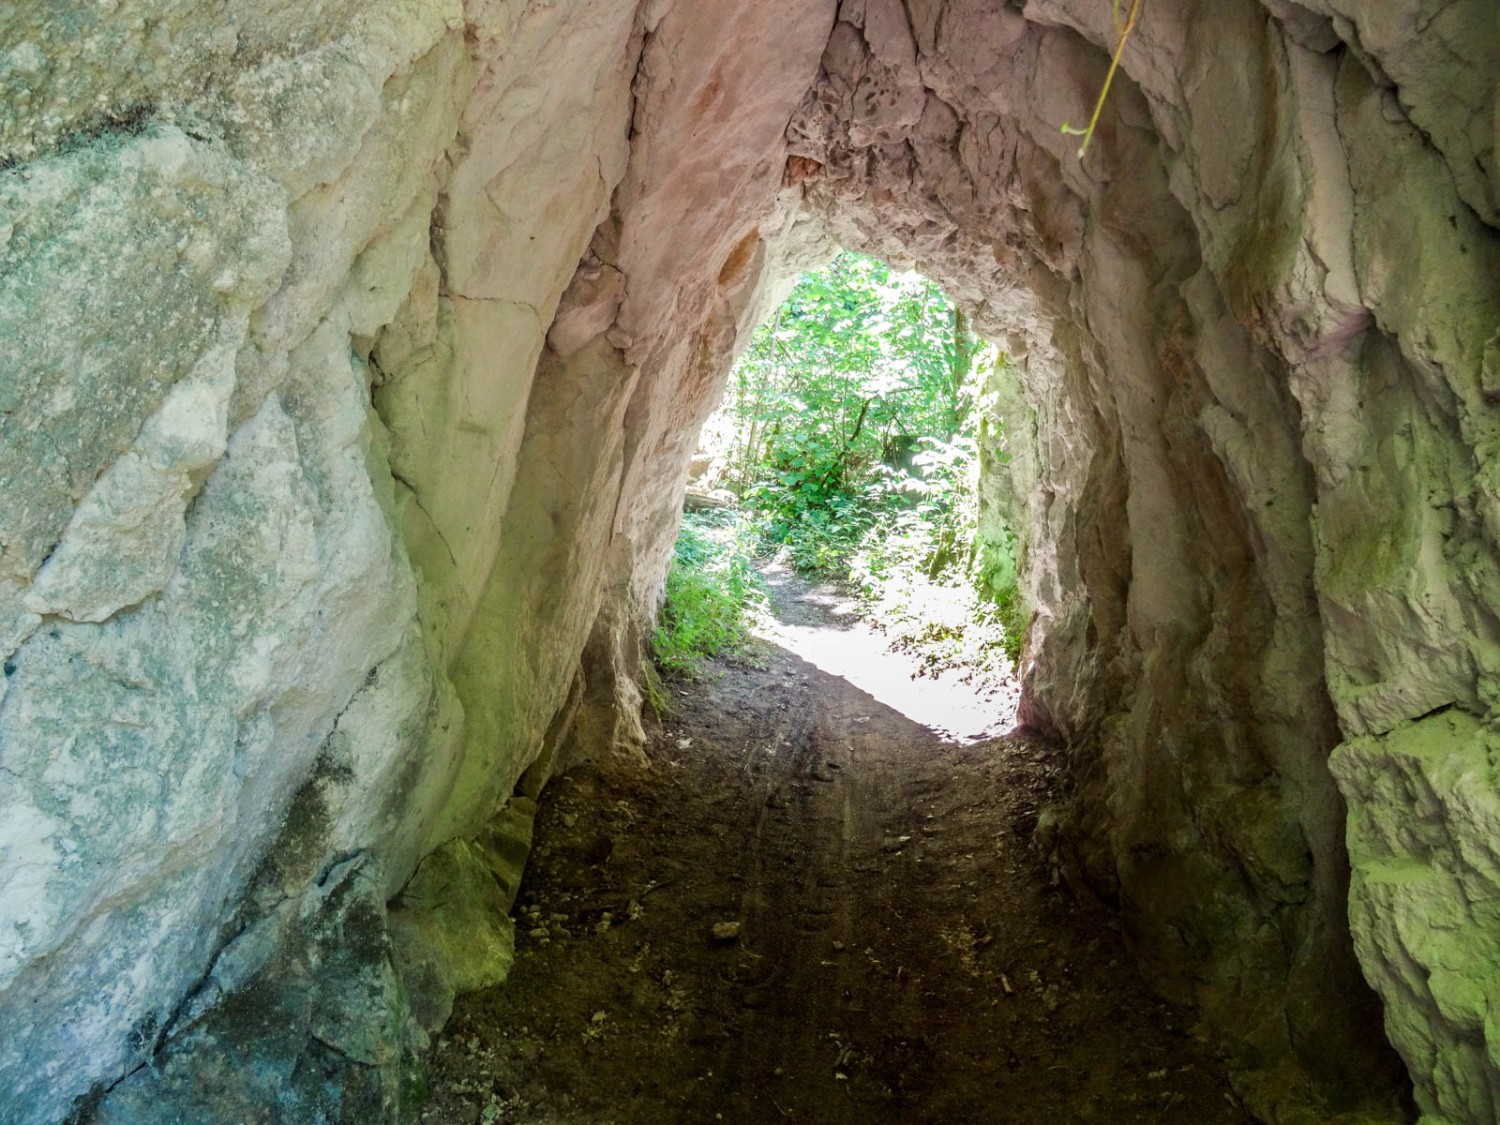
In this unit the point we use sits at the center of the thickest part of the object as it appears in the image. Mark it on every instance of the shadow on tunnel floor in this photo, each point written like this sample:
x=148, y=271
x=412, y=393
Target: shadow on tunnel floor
x=811, y=908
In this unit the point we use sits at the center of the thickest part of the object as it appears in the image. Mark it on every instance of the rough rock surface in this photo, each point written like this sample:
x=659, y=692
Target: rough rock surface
x=354, y=355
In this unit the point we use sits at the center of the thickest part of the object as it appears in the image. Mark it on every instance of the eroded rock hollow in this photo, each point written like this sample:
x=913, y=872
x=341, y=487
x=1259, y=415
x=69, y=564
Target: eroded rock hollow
x=353, y=356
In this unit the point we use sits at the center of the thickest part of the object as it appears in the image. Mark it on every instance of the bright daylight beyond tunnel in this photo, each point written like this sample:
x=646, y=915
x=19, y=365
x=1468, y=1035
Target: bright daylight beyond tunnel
x=859, y=445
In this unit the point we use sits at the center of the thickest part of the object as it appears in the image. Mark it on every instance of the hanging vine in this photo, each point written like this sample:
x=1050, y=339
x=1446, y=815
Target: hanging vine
x=1122, y=33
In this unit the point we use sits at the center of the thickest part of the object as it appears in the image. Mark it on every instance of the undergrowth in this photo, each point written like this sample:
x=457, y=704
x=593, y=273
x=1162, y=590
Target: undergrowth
x=925, y=574
x=713, y=593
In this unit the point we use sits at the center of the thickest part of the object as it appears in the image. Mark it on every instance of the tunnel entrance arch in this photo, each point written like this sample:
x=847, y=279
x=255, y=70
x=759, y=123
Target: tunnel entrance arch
x=358, y=357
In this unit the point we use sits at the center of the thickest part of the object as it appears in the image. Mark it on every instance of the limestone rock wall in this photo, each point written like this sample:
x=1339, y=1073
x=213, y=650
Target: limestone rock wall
x=353, y=357
x=1176, y=644
x=1257, y=471
x=268, y=354
x=204, y=603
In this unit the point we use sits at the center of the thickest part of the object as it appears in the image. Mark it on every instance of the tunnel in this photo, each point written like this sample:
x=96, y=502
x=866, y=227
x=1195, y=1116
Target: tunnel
x=354, y=357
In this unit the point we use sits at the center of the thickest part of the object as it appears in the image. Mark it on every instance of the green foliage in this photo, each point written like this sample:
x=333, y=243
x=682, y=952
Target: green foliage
x=833, y=398
x=848, y=428
x=658, y=698
x=1010, y=619
x=856, y=364
x=712, y=591
x=996, y=579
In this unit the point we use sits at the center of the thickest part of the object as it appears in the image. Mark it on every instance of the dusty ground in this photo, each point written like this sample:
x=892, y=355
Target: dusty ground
x=894, y=950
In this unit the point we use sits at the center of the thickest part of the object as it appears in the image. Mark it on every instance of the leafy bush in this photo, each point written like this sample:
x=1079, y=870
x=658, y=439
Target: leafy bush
x=996, y=579
x=834, y=394
x=712, y=591
x=849, y=430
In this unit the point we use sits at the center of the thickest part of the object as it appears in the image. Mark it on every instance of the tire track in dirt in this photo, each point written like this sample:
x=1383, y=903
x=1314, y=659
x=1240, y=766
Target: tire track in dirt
x=904, y=955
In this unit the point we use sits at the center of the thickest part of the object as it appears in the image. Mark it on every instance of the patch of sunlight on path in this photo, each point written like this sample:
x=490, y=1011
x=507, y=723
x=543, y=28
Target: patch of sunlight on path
x=830, y=636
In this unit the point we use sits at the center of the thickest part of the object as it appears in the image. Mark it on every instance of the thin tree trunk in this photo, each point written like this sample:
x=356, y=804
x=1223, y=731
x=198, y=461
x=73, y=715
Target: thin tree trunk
x=847, y=444
x=963, y=359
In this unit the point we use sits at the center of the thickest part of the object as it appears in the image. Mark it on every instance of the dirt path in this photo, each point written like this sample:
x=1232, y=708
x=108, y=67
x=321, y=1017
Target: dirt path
x=901, y=954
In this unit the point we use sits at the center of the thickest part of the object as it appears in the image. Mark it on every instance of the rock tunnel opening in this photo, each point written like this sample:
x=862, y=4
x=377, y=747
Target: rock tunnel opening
x=860, y=441
x=353, y=357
